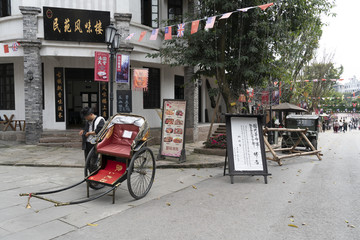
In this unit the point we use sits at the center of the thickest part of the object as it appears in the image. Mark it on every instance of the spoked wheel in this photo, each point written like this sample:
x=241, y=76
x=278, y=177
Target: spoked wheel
x=93, y=162
x=141, y=173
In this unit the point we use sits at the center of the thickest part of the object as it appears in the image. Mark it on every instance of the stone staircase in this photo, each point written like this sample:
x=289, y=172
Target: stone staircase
x=220, y=130
x=61, y=138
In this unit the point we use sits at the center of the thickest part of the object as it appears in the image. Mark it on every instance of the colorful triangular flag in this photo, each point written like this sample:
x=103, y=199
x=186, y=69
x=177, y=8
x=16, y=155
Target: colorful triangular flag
x=226, y=15
x=15, y=46
x=130, y=36
x=168, y=33
x=154, y=34
x=6, y=48
x=142, y=35
x=210, y=22
x=265, y=6
x=195, y=26
x=181, y=30
x=245, y=9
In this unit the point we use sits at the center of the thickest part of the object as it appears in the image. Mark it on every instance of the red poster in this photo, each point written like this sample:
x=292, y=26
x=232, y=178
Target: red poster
x=102, y=66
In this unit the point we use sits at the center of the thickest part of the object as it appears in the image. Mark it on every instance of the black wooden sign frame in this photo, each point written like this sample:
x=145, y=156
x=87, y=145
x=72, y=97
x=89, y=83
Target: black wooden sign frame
x=229, y=158
x=120, y=100
x=182, y=157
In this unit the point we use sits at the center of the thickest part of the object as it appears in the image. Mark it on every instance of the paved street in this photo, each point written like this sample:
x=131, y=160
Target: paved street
x=319, y=199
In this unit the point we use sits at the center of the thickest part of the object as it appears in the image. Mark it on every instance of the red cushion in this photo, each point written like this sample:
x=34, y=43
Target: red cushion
x=116, y=150
x=110, y=174
x=116, y=145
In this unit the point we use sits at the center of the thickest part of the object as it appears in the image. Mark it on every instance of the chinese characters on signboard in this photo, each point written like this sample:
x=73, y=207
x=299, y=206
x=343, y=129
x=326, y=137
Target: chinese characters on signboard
x=61, y=24
x=104, y=100
x=246, y=144
x=59, y=95
x=124, y=101
x=173, y=128
x=122, y=68
x=101, y=66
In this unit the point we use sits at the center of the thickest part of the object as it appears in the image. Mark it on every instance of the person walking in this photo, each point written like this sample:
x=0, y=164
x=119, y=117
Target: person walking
x=345, y=126
x=336, y=126
x=93, y=125
x=341, y=124
x=323, y=126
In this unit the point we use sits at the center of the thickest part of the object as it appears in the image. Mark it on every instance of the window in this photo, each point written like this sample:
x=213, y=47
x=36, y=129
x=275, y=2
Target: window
x=179, y=87
x=150, y=13
x=5, y=8
x=152, y=96
x=7, y=97
x=175, y=10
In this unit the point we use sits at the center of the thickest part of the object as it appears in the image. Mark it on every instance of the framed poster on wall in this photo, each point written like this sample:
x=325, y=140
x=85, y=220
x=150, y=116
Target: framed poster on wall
x=245, y=146
x=173, y=129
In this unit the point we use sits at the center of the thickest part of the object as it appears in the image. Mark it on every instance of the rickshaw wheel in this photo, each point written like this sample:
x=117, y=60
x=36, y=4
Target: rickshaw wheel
x=93, y=161
x=141, y=173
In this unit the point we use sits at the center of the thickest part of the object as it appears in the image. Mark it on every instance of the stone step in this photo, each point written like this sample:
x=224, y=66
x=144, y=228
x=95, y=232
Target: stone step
x=67, y=144
x=220, y=131
x=60, y=139
x=211, y=151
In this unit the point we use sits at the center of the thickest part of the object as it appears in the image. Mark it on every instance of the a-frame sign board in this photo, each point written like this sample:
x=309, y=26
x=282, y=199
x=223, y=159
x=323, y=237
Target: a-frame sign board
x=245, y=152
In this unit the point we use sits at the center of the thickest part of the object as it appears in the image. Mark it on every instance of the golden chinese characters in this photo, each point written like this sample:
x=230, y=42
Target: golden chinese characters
x=56, y=25
x=77, y=26
x=67, y=25
x=98, y=27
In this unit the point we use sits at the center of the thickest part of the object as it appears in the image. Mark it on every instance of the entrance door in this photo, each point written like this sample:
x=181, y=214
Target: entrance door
x=81, y=91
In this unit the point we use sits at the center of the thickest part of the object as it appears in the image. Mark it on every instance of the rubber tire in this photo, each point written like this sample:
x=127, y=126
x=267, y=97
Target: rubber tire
x=88, y=169
x=131, y=169
x=314, y=143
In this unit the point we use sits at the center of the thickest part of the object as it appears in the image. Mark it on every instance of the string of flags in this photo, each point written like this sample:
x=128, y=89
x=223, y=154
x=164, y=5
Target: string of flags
x=14, y=46
x=210, y=21
x=320, y=80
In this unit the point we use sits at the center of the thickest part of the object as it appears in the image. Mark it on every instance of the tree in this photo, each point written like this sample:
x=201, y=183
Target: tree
x=247, y=48
x=313, y=92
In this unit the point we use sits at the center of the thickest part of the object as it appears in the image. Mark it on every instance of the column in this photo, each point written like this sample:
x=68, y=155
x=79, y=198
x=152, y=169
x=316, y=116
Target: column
x=192, y=99
x=33, y=82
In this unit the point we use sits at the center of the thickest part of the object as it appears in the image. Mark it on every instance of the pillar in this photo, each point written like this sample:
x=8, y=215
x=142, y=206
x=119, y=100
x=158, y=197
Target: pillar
x=192, y=98
x=32, y=63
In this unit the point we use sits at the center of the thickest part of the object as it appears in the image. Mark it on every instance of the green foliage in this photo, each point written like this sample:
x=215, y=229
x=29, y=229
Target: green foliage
x=248, y=48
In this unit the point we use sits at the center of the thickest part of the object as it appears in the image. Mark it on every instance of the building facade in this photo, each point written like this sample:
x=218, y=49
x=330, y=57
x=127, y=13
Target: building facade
x=351, y=86
x=47, y=81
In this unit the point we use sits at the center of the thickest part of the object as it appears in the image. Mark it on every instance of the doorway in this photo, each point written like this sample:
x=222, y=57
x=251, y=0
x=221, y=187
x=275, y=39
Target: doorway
x=81, y=91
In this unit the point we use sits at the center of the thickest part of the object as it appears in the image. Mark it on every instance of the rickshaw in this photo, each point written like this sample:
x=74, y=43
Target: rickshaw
x=120, y=154
x=301, y=121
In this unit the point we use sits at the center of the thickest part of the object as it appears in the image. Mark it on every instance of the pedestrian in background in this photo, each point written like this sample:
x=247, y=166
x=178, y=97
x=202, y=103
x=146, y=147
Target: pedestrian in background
x=341, y=124
x=336, y=126
x=93, y=125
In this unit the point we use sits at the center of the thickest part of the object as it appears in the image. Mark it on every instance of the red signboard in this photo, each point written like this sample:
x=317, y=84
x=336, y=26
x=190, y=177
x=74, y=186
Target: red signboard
x=102, y=66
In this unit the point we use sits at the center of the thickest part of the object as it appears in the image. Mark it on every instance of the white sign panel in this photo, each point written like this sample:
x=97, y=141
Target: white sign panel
x=246, y=144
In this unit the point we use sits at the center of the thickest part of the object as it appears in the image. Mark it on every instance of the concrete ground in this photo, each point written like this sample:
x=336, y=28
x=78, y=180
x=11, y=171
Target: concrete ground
x=305, y=199
x=15, y=154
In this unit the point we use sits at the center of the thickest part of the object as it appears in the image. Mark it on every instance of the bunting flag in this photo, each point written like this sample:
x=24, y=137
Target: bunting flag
x=141, y=77
x=265, y=6
x=195, y=26
x=130, y=36
x=15, y=46
x=181, y=30
x=210, y=22
x=226, y=15
x=245, y=9
x=317, y=80
x=142, y=35
x=154, y=34
x=6, y=48
x=168, y=33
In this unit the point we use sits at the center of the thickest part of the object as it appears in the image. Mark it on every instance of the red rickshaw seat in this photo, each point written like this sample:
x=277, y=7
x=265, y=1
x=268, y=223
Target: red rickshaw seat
x=117, y=145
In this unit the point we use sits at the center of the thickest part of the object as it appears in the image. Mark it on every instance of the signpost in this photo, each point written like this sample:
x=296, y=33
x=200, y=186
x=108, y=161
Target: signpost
x=173, y=129
x=245, y=151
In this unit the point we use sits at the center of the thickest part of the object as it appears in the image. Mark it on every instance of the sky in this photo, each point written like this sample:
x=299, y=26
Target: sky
x=342, y=37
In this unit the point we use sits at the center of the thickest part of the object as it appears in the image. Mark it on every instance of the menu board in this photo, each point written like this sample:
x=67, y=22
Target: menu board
x=173, y=128
x=245, y=145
